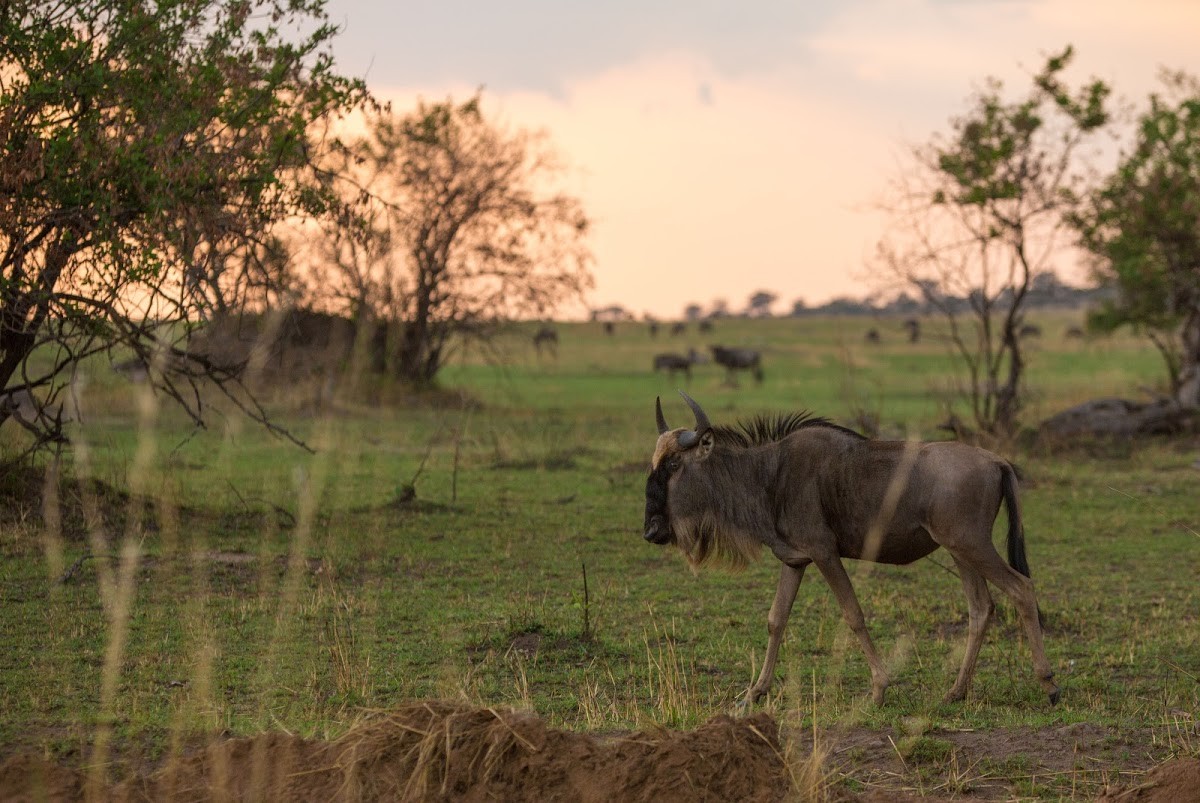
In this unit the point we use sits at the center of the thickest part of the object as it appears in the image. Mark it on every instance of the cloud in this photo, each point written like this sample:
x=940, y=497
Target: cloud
x=710, y=182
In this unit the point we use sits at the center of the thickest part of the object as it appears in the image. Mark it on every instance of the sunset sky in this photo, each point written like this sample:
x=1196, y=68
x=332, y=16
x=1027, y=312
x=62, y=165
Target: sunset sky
x=725, y=148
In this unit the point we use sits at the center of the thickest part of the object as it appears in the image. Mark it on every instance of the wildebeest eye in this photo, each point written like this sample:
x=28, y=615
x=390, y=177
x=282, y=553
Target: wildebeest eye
x=673, y=462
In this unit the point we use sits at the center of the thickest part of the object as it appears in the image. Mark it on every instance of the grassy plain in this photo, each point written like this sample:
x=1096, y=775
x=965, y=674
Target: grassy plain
x=485, y=545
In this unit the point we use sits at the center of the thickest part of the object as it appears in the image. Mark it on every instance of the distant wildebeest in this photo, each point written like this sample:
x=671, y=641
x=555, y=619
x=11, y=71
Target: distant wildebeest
x=1030, y=330
x=914, y=329
x=814, y=492
x=610, y=328
x=738, y=360
x=1074, y=333
x=653, y=328
x=678, y=328
x=671, y=362
x=134, y=369
x=872, y=336
x=546, y=337
x=706, y=326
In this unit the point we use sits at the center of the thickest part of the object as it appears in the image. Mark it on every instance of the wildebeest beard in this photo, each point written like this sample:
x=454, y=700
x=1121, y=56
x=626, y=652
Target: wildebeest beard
x=658, y=523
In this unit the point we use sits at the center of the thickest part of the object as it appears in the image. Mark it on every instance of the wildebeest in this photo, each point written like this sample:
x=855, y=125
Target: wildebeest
x=672, y=362
x=738, y=360
x=1030, y=330
x=814, y=492
x=872, y=336
x=678, y=328
x=546, y=337
x=914, y=329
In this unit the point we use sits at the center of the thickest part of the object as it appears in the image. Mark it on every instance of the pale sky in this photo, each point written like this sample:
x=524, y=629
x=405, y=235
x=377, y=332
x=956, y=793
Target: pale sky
x=725, y=148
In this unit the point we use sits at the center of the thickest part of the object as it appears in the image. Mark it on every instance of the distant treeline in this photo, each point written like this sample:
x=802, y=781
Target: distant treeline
x=1046, y=290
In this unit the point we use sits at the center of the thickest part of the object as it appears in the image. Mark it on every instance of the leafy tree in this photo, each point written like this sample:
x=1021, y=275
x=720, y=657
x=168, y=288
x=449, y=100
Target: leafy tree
x=980, y=215
x=462, y=233
x=1143, y=227
x=147, y=151
x=759, y=305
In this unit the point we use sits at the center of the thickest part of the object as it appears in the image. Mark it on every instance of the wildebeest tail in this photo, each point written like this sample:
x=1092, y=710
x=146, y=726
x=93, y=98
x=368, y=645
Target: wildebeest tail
x=1016, y=527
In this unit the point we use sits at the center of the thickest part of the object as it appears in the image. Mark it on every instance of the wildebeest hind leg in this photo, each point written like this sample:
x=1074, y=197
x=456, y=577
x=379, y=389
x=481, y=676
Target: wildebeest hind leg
x=835, y=574
x=1019, y=588
x=781, y=609
x=979, y=602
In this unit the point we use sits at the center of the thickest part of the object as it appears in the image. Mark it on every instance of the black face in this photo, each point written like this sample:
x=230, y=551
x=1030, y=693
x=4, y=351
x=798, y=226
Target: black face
x=658, y=523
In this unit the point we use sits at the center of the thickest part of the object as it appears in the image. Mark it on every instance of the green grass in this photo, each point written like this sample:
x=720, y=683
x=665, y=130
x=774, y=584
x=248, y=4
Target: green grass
x=274, y=588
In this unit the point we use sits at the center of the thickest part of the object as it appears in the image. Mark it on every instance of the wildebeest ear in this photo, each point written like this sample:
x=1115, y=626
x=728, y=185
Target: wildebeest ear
x=706, y=444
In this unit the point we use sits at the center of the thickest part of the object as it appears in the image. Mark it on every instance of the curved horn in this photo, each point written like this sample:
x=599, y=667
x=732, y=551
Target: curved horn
x=658, y=416
x=701, y=419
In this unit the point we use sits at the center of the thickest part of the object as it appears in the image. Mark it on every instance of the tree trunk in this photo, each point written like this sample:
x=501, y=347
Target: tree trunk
x=25, y=311
x=1187, y=391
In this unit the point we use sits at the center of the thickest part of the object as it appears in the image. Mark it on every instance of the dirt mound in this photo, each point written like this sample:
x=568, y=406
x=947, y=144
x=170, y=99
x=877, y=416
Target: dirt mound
x=432, y=751
x=438, y=751
x=1173, y=782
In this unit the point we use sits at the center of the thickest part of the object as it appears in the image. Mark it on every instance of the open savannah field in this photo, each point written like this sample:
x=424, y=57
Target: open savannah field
x=469, y=564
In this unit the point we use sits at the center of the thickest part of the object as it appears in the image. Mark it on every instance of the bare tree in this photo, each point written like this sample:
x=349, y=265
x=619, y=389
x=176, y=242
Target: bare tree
x=981, y=212
x=461, y=233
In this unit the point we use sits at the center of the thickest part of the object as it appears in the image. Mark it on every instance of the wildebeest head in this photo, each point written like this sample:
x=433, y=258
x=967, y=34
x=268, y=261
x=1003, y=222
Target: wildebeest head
x=674, y=448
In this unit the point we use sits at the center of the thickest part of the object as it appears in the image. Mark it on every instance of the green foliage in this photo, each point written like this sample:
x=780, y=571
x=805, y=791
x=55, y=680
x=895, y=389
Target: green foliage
x=1143, y=225
x=978, y=217
x=145, y=150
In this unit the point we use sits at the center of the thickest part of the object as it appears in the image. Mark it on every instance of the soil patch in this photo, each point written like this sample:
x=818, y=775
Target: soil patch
x=434, y=751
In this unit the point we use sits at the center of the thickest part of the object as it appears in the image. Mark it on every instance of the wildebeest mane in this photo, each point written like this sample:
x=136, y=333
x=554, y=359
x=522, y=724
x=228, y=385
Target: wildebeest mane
x=764, y=429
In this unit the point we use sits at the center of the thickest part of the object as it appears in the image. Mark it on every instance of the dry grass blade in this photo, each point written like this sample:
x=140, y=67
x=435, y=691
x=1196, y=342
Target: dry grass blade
x=429, y=751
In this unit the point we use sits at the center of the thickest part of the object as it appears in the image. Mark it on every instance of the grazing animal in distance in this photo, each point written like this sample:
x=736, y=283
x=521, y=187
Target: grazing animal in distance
x=872, y=336
x=914, y=329
x=546, y=338
x=738, y=360
x=678, y=328
x=1030, y=330
x=672, y=362
x=813, y=493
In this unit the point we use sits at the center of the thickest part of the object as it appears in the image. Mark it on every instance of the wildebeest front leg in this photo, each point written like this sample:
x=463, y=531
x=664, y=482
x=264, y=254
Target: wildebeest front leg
x=781, y=609
x=839, y=582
